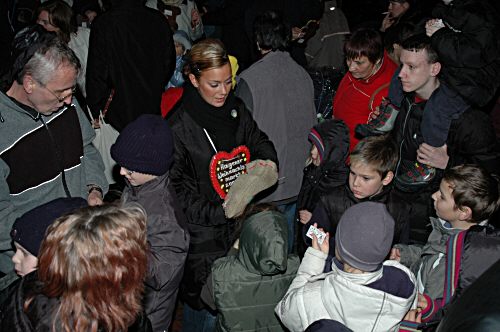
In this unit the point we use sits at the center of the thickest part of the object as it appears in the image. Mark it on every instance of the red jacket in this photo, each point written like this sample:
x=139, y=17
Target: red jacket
x=356, y=99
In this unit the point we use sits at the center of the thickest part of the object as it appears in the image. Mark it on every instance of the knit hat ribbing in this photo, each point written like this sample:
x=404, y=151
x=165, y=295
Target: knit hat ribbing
x=364, y=235
x=146, y=145
x=316, y=139
x=29, y=229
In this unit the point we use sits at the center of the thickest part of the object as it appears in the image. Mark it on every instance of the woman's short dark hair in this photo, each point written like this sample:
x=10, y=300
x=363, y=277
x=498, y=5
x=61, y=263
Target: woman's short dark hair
x=364, y=42
x=61, y=16
x=271, y=32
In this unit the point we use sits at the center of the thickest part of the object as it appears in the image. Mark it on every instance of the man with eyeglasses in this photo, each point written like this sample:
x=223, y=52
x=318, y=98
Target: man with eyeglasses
x=46, y=149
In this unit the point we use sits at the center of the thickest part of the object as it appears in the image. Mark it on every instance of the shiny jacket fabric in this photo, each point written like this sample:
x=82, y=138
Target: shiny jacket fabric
x=333, y=171
x=39, y=316
x=336, y=202
x=211, y=232
x=168, y=240
x=247, y=286
x=469, y=48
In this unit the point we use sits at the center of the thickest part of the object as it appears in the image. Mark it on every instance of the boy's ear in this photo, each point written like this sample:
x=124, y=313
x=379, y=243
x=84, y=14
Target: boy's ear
x=465, y=213
x=388, y=178
x=435, y=69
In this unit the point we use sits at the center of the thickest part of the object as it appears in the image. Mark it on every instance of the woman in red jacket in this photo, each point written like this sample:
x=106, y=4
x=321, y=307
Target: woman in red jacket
x=367, y=82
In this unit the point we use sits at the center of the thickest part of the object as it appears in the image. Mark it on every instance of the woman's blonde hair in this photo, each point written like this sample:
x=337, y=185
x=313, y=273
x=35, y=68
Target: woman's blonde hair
x=205, y=55
x=95, y=262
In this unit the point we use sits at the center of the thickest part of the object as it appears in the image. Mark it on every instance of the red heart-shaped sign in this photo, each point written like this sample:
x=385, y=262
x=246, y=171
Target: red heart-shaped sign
x=226, y=167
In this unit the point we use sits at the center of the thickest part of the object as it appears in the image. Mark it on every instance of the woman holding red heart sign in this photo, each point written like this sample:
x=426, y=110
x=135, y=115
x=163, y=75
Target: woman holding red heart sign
x=217, y=145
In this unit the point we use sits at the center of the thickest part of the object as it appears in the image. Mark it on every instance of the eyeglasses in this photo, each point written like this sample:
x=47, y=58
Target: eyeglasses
x=59, y=98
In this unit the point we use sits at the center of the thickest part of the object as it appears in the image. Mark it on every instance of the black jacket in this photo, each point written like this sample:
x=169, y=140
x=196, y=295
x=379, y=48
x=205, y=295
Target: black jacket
x=471, y=138
x=469, y=48
x=131, y=50
x=211, y=233
x=333, y=171
x=39, y=315
x=332, y=206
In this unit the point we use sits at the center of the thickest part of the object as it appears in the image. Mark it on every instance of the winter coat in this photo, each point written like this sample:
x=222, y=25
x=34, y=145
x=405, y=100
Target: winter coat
x=248, y=285
x=184, y=20
x=428, y=262
x=211, y=232
x=168, y=240
x=477, y=309
x=333, y=205
x=356, y=99
x=332, y=172
x=34, y=149
x=39, y=316
x=326, y=47
x=79, y=43
x=468, y=255
x=471, y=138
x=351, y=299
x=285, y=112
x=469, y=48
x=131, y=51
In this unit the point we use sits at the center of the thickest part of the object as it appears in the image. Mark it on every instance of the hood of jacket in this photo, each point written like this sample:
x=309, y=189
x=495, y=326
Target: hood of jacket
x=378, y=310
x=264, y=243
x=335, y=138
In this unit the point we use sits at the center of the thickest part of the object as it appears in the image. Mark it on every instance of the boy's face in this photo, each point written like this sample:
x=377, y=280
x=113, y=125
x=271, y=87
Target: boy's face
x=445, y=204
x=136, y=178
x=24, y=261
x=364, y=181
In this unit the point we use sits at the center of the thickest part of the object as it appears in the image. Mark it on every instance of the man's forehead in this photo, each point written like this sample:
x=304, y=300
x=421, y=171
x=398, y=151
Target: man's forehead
x=414, y=56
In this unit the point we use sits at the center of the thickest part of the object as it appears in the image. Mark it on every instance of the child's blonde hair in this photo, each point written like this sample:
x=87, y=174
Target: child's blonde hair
x=379, y=152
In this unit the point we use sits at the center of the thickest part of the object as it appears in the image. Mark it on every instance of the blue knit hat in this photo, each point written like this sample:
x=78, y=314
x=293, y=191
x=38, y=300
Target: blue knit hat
x=29, y=229
x=146, y=145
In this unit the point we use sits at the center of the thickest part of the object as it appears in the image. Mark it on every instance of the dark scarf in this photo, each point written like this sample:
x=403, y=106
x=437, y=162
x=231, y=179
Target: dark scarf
x=218, y=121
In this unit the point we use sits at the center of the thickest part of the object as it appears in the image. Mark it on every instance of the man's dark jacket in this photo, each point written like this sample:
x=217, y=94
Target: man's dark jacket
x=131, y=50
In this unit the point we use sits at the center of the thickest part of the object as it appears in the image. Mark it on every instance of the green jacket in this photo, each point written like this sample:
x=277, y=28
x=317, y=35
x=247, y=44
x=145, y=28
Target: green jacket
x=247, y=286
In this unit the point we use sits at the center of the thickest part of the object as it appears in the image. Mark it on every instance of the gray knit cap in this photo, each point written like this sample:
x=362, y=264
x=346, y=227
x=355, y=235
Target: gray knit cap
x=364, y=235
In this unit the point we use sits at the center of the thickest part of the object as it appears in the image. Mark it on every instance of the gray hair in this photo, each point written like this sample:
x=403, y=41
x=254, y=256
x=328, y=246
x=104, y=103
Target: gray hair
x=47, y=59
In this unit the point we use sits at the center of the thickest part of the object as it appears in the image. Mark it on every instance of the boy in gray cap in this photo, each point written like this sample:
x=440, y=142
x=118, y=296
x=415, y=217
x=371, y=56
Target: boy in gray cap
x=362, y=291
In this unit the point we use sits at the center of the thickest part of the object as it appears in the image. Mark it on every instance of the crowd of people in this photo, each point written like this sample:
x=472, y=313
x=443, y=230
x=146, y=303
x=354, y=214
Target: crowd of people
x=225, y=190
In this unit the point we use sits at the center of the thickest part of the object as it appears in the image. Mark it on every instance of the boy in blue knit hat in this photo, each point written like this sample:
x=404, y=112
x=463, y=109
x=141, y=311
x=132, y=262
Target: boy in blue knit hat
x=145, y=151
x=28, y=231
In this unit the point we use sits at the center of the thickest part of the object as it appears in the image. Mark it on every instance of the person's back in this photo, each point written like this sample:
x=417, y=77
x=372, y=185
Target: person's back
x=131, y=51
x=280, y=95
x=464, y=33
x=248, y=285
x=362, y=291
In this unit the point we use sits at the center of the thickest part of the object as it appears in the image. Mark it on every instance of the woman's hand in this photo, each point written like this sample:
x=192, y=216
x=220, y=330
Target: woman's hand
x=304, y=216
